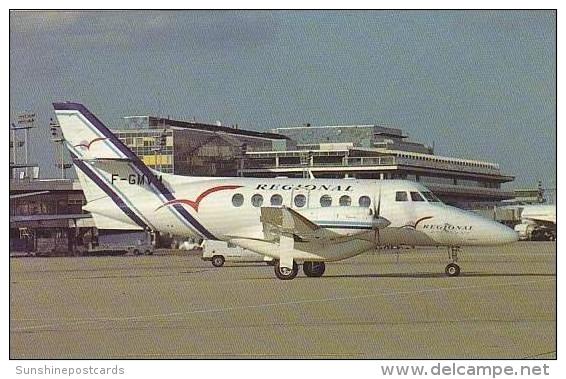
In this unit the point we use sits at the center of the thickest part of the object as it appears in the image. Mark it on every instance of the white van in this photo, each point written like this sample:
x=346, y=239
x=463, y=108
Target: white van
x=219, y=252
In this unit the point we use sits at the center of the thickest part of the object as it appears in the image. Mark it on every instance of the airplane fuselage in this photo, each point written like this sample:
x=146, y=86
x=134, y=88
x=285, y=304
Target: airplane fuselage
x=230, y=207
x=295, y=221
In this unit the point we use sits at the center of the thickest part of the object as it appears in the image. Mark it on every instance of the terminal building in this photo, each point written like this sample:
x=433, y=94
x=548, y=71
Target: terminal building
x=366, y=136
x=191, y=148
x=46, y=217
x=377, y=152
x=355, y=151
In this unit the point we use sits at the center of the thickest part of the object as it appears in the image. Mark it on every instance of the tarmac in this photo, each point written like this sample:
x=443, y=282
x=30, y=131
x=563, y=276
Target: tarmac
x=387, y=304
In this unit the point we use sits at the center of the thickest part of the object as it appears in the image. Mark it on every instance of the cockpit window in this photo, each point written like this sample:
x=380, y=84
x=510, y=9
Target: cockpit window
x=430, y=197
x=401, y=196
x=415, y=196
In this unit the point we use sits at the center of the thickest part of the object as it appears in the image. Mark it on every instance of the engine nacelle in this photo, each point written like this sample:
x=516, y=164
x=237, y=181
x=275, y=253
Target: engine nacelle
x=345, y=220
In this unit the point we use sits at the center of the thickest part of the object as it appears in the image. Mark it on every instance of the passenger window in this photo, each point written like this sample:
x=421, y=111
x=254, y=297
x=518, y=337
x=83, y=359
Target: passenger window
x=276, y=200
x=300, y=201
x=257, y=200
x=231, y=245
x=430, y=197
x=401, y=196
x=345, y=201
x=364, y=201
x=237, y=200
x=415, y=196
x=325, y=201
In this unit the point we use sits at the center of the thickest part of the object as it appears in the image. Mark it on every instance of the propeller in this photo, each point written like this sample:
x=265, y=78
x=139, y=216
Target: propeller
x=378, y=221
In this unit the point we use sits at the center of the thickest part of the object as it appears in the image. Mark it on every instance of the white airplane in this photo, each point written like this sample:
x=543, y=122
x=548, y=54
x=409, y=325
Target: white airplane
x=294, y=221
x=538, y=221
x=541, y=214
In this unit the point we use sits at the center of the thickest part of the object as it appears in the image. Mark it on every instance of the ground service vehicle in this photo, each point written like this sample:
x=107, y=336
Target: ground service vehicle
x=123, y=242
x=219, y=252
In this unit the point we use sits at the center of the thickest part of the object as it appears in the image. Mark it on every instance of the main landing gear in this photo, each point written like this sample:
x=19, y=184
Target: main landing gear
x=311, y=269
x=452, y=269
x=285, y=273
x=314, y=269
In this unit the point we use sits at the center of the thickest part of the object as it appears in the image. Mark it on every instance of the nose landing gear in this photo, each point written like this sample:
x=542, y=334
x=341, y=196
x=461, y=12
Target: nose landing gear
x=452, y=269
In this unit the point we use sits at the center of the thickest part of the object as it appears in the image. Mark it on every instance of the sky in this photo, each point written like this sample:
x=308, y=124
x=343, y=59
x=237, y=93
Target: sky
x=477, y=84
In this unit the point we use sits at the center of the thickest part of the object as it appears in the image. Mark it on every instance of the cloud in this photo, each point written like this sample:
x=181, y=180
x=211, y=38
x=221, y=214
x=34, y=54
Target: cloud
x=162, y=29
x=40, y=21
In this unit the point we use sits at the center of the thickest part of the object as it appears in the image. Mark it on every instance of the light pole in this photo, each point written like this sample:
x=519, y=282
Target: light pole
x=243, y=152
x=26, y=121
x=159, y=148
x=15, y=144
x=57, y=137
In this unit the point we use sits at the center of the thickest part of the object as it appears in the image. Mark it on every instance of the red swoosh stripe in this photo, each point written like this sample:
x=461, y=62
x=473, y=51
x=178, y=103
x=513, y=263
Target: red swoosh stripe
x=416, y=222
x=91, y=142
x=422, y=219
x=195, y=204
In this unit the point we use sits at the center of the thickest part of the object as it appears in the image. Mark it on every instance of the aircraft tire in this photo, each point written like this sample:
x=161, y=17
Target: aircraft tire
x=452, y=269
x=136, y=252
x=284, y=273
x=218, y=261
x=314, y=269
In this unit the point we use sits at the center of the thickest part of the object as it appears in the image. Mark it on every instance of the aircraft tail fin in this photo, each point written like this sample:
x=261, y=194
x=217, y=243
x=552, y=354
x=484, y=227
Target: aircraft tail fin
x=86, y=136
x=89, y=141
x=117, y=184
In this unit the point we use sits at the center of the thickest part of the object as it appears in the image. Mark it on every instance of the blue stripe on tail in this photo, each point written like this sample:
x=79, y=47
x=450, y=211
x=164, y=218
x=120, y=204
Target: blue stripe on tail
x=138, y=164
x=108, y=191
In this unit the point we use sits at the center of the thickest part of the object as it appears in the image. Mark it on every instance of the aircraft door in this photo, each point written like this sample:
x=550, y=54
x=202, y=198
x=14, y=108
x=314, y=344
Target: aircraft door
x=393, y=207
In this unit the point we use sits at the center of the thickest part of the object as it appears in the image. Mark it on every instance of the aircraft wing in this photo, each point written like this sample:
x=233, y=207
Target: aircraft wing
x=286, y=221
x=541, y=221
x=286, y=233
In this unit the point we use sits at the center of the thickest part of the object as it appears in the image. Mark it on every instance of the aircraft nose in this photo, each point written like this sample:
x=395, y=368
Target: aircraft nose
x=505, y=234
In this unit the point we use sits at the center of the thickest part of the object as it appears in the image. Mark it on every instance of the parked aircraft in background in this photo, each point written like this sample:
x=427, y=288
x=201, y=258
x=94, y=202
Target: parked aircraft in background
x=294, y=221
x=538, y=222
